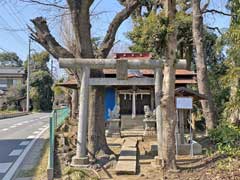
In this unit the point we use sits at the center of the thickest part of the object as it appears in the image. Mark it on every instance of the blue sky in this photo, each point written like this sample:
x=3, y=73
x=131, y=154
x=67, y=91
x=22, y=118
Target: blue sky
x=15, y=15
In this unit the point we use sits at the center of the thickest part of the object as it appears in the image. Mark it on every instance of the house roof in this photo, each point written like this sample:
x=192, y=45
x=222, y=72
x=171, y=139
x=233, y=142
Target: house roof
x=11, y=72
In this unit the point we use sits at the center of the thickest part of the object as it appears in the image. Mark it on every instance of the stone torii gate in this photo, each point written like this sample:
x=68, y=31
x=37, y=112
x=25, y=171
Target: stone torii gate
x=121, y=66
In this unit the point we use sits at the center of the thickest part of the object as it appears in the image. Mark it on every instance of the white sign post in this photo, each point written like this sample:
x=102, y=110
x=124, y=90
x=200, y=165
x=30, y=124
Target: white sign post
x=185, y=103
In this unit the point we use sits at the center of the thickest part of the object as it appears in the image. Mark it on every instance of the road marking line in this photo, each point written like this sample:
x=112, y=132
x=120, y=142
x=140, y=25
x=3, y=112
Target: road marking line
x=36, y=132
x=4, y=167
x=20, y=159
x=40, y=129
x=5, y=129
x=16, y=152
x=13, y=126
x=30, y=137
x=43, y=117
x=24, y=143
x=19, y=124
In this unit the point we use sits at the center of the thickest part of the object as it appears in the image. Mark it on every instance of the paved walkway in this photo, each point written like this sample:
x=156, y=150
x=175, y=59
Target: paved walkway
x=127, y=161
x=27, y=168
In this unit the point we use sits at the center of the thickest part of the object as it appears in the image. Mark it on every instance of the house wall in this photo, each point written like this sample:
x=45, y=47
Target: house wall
x=109, y=100
x=7, y=83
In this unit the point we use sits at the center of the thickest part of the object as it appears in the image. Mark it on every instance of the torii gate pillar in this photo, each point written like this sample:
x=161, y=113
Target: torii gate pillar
x=81, y=157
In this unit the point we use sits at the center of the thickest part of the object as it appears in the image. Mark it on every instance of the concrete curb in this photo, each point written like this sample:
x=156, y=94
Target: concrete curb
x=5, y=116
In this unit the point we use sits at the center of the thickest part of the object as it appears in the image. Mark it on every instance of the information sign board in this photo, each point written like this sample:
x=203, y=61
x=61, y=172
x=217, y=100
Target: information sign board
x=184, y=102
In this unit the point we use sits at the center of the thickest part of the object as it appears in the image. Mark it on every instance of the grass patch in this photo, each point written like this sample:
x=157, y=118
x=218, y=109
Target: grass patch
x=40, y=171
x=76, y=174
x=9, y=112
x=26, y=173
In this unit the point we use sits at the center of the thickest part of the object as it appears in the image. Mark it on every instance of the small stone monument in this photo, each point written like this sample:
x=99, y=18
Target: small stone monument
x=149, y=122
x=114, y=122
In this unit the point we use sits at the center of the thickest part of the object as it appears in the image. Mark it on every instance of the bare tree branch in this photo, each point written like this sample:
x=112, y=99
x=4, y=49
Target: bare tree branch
x=205, y=6
x=216, y=11
x=180, y=40
x=215, y=28
x=109, y=38
x=56, y=5
x=94, y=8
x=43, y=36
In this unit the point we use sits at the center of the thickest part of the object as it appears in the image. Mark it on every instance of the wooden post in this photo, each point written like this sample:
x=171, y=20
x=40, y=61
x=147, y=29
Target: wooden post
x=181, y=125
x=81, y=152
x=152, y=98
x=158, y=89
x=133, y=104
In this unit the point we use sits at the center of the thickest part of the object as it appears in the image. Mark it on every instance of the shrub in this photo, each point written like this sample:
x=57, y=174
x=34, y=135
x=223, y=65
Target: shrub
x=227, y=138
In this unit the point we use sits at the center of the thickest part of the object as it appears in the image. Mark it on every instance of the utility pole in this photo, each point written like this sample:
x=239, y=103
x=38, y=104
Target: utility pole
x=52, y=67
x=28, y=75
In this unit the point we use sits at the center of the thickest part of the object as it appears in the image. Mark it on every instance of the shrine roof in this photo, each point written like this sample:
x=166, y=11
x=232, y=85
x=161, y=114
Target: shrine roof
x=72, y=83
x=183, y=76
x=183, y=91
x=151, y=72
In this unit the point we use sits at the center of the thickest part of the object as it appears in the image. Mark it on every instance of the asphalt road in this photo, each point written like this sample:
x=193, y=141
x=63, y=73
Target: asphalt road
x=17, y=135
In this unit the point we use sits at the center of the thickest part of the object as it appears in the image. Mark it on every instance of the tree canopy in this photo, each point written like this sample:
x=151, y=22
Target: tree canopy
x=10, y=59
x=41, y=82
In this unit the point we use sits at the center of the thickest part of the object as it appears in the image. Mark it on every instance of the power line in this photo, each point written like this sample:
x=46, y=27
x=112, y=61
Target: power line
x=14, y=30
x=10, y=12
x=15, y=12
x=16, y=36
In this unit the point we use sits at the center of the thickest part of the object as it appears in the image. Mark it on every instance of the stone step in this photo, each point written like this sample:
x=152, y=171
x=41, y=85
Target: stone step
x=126, y=167
x=132, y=133
x=130, y=142
x=128, y=123
x=128, y=153
x=127, y=161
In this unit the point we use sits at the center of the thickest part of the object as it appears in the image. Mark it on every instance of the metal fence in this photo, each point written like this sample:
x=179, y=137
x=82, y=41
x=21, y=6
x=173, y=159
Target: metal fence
x=56, y=119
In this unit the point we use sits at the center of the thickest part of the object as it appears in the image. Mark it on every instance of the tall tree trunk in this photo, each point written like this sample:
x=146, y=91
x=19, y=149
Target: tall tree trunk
x=168, y=99
x=80, y=17
x=96, y=129
x=92, y=134
x=235, y=114
x=189, y=54
x=100, y=122
x=208, y=107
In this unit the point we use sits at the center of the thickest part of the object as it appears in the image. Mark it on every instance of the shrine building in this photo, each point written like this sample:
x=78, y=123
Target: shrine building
x=133, y=98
